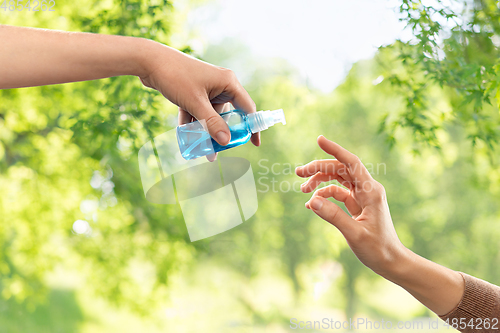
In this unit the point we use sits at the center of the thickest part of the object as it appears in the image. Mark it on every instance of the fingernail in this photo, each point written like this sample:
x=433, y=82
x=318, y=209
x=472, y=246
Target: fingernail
x=212, y=157
x=316, y=204
x=222, y=138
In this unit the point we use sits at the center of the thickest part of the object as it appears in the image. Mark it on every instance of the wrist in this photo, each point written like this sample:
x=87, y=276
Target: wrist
x=142, y=55
x=400, y=264
x=437, y=287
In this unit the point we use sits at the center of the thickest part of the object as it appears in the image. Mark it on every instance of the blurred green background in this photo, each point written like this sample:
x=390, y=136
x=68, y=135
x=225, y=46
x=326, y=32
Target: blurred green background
x=422, y=115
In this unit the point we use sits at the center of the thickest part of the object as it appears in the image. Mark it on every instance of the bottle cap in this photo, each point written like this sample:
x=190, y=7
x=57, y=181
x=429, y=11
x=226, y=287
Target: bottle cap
x=262, y=120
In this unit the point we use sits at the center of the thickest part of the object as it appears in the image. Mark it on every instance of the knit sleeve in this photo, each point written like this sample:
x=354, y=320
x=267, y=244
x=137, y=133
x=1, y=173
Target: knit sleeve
x=479, y=307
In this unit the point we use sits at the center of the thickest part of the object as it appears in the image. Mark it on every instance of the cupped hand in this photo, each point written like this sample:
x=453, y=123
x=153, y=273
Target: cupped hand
x=201, y=90
x=369, y=230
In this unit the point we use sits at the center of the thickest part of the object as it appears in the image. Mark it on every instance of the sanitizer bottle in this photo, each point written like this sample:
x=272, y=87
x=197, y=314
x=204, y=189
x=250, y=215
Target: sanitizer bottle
x=194, y=141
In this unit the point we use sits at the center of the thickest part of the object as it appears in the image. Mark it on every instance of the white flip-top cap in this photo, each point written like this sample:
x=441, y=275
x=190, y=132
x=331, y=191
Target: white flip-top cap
x=262, y=120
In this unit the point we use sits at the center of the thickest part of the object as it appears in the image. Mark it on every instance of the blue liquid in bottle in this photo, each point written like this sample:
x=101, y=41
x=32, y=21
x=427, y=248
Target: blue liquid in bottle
x=194, y=141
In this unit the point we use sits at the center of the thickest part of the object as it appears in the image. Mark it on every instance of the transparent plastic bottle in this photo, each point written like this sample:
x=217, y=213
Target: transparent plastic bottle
x=194, y=141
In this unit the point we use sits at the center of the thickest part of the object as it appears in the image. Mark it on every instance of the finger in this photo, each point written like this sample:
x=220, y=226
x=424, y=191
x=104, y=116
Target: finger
x=342, y=195
x=319, y=178
x=220, y=108
x=215, y=125
x=333, y=214
x=241, y=100
x=184, y=117
x=355, y=167
x=255, y=139
x=323, y=166
x=212, y=157
x=227, y=107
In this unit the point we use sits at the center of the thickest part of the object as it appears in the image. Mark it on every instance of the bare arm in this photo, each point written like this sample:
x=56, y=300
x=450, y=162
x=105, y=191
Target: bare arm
x=369, y=230
x=435, y=286
x=33, y=57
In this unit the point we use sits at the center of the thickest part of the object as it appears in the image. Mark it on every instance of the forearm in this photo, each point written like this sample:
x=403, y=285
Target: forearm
x=32, y=57
x=438, y=288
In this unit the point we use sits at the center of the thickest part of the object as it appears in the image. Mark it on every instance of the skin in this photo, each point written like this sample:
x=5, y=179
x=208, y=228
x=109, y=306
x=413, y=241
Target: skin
x=35, y=57
x=369, y=229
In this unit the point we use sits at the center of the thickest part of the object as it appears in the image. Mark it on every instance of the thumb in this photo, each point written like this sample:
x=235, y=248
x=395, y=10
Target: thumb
x=333, y=214
x=216, y=126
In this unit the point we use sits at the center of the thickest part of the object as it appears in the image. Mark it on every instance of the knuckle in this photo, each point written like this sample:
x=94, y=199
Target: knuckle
x=333, y=214
x=213, y=121
x=342, y=170
x=361, y=236
x=322, y=176
x=329, y=167
x=318, y=192
x=311, y=166
x=228, y=75
x=378, y=194
x=254, y=106
x=196, y=101
x=379, y=188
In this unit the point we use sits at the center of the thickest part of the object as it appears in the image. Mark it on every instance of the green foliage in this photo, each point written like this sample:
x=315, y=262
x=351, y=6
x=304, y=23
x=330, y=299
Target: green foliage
x=456, y=48
x=61, y=313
